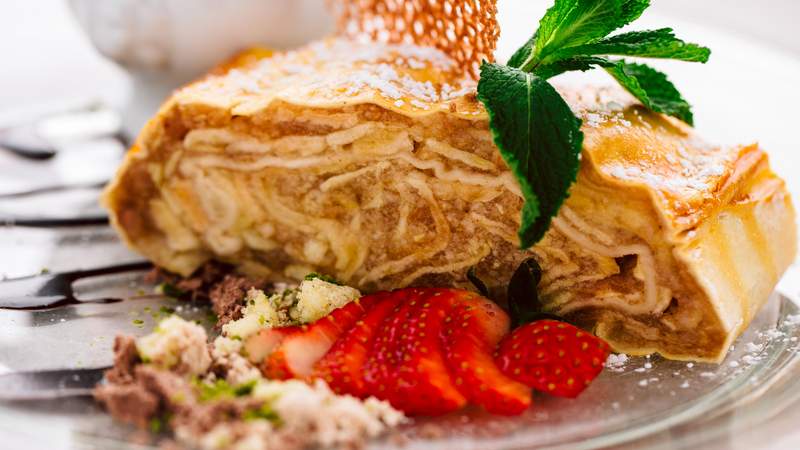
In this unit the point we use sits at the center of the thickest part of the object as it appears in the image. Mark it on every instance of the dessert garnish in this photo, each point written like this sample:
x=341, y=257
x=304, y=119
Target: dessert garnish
x=430, y=351
x=537, y=133
x=545, y=352
x=552, y=356
x=425, y=351
x=170, y=380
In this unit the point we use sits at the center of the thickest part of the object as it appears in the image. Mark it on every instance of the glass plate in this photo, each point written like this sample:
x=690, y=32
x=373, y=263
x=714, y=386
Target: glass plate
x=634, y=403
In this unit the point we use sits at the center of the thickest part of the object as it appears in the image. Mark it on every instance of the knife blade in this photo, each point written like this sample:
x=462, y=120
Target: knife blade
x=49, y=384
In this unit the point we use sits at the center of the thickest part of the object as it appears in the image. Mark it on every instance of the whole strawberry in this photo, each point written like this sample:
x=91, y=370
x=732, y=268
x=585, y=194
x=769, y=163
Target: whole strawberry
x=552, y=356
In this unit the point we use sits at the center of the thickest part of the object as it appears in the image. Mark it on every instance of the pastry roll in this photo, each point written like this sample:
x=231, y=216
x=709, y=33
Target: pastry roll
x=374, y=163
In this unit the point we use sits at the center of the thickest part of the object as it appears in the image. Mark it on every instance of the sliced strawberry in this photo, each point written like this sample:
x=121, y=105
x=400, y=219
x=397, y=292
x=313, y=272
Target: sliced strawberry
x=380, y=364
x=492, y=323
x=260, y=345
x=406, y=366
x=275, y=365
x=302, y=346
x=479, y=379
x=553, y=357
x=343, y=366
x=428, y=351
x=472, y=329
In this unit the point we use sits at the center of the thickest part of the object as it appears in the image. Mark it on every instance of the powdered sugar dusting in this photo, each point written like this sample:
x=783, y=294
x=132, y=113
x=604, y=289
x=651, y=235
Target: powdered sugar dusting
x=616, y=362
x=333, y=70
x=753, y=350
x=751, y=347
x=792, y=320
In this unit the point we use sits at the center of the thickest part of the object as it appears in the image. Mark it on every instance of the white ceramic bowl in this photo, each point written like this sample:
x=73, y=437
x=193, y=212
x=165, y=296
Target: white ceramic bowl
x=165, y=43
x=186, y=37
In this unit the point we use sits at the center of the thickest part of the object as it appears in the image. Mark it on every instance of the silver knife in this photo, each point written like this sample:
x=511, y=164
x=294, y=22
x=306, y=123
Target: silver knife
x=49, y=384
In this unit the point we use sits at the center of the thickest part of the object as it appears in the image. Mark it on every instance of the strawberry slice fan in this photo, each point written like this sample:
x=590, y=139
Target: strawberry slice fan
x=431, y=351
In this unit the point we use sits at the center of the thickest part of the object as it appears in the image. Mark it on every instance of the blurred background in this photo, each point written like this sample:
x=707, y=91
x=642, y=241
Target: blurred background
x=47, y=56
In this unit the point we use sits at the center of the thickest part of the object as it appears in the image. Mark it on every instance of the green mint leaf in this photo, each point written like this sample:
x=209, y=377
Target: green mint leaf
x=582, y=63
x=156, y=425
x=633, y=9
x=170, y=290
x=323, y=277
x=653, y=89
x=522, y=54
x=263, y=412
x=574, y=22
x=539, y=138
x=571, y=23
x=220, y=388
x=536, y=132
x=660, y=43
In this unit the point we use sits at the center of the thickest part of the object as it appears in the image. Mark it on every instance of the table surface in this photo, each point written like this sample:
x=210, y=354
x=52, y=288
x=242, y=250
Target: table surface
x=46, y=56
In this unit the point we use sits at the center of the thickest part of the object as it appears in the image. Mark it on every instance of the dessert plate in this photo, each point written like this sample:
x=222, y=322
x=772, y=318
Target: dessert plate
x=635, y=398
x=744, y=92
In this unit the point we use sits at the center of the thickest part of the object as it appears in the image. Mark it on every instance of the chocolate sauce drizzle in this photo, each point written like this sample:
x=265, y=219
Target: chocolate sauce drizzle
x=54, y=222
x=51, y=290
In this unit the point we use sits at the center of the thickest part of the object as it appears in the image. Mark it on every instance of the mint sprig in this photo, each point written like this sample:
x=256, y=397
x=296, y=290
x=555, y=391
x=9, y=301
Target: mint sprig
x=660, y=43
x=652, y=88
x=536, y=123
x=538, y=135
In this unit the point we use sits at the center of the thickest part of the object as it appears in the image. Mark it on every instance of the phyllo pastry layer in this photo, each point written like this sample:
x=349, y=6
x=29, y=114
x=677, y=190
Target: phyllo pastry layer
x=375, y=164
